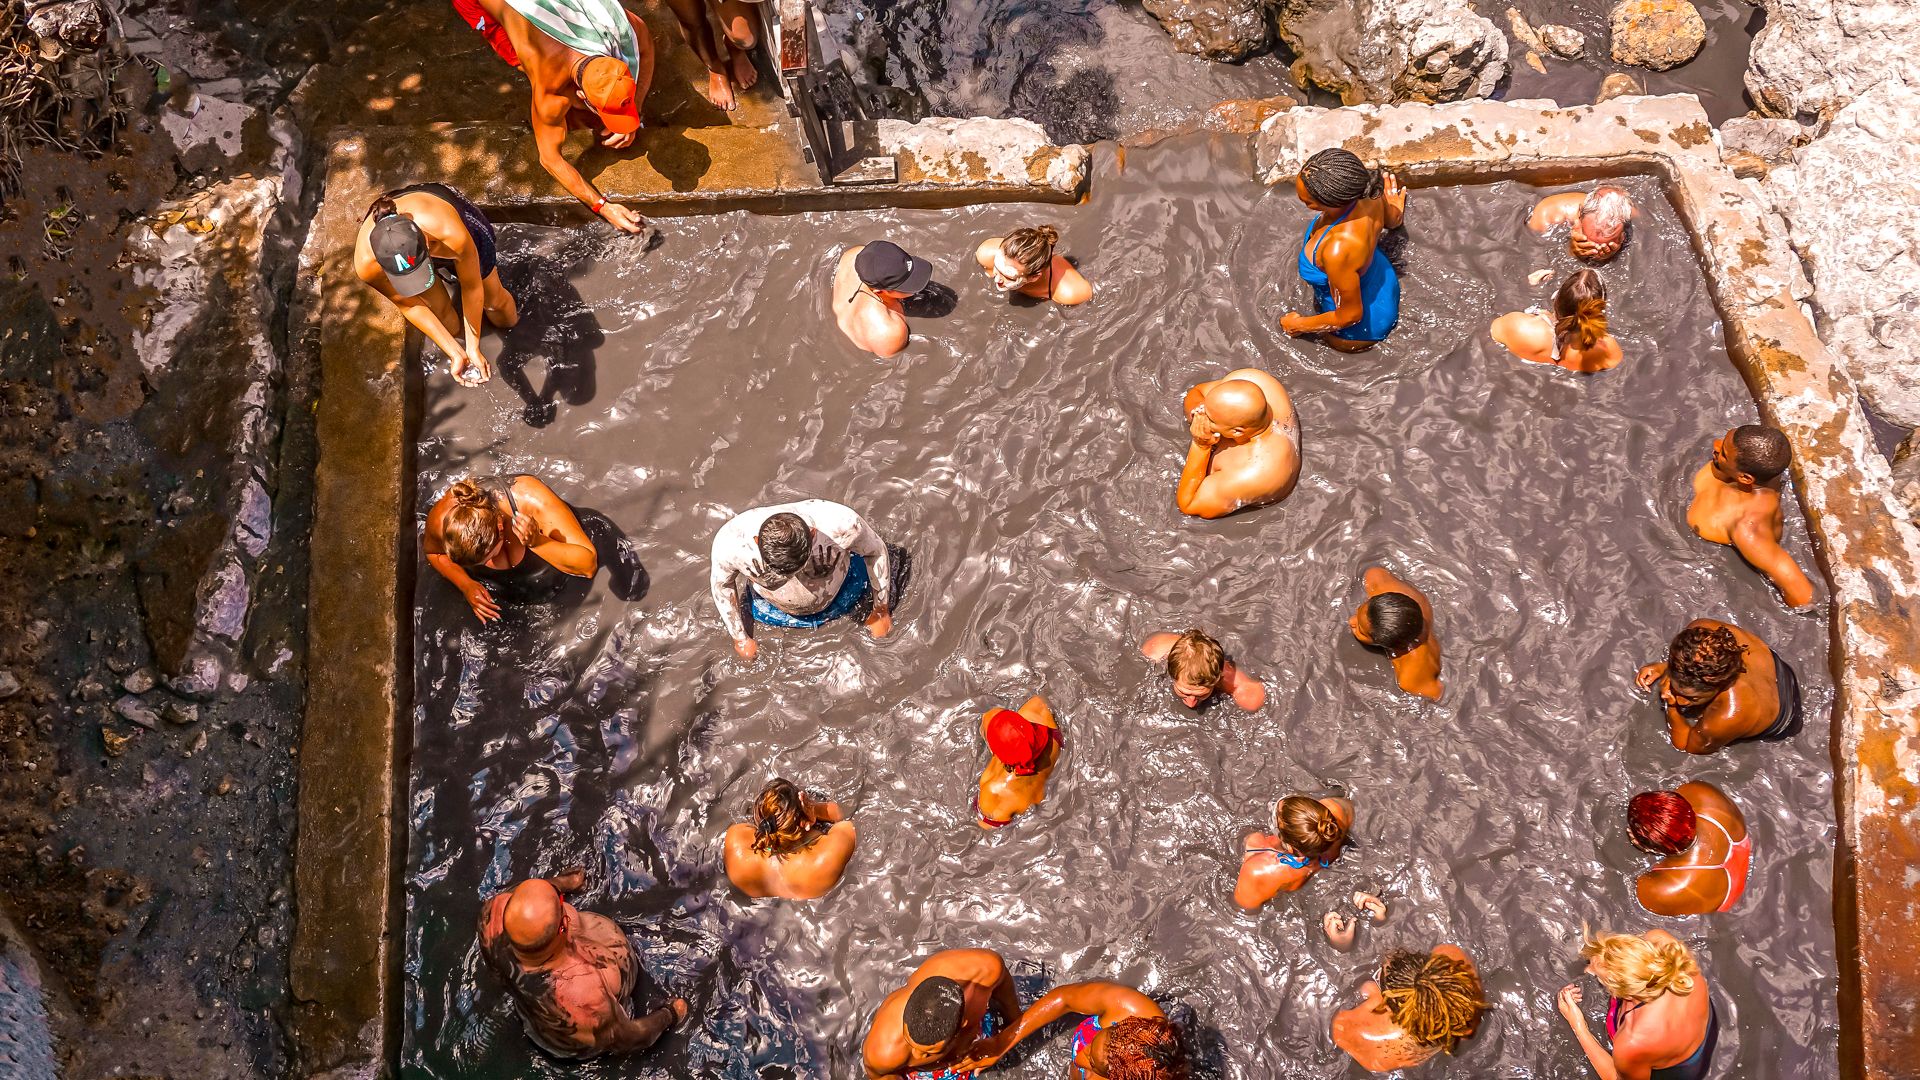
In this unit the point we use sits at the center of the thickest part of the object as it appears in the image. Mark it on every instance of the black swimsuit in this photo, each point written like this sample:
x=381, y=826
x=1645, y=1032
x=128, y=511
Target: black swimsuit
x=476, y=222
x=1787, y=724
x=530, y=578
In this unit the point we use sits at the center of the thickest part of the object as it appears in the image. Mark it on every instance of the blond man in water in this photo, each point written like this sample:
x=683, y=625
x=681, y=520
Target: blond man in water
x=1245, y=444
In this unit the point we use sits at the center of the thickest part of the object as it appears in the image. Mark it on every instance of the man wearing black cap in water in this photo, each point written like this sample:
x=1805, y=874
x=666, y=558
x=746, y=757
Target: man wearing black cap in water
x=418, y=243
x=867, y=290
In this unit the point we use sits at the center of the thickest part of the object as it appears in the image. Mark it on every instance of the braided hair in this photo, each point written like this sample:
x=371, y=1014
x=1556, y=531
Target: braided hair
x=1435, y=999
x=1337, y=177
x=1145, y=1048
x=1705, y=658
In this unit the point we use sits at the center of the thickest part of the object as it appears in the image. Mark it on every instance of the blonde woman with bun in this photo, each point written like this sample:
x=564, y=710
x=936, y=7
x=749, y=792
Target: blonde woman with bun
x=1311, y=834
x=1575, y=337
x=1024, y=262
x=505, y=538
x=1660, y=1016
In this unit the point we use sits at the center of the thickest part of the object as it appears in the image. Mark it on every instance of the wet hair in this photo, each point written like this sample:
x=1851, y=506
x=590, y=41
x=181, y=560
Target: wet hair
x=1705, y=658
x=1395, y=621
x=1609, y=209
x=1760, y=451
x=1336, y=177
x=1307, y=826
x=472, y=526
x=779, y=818
x=1636, y=969
x=1661, y=822
x=1196, y=658
x=1580, y=309
x=1145, y=1048
x=785, y=543
x=1434, y=998
x=1032, y=248
x=382, y=207
x=933, y=1010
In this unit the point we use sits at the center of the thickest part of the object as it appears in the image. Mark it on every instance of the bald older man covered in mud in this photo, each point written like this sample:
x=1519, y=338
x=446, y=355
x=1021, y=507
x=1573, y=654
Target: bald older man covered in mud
x=569, y=971
x=1246, y=444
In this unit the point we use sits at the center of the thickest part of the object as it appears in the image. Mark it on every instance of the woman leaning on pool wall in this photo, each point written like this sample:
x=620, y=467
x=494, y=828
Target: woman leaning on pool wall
x=1355, y=289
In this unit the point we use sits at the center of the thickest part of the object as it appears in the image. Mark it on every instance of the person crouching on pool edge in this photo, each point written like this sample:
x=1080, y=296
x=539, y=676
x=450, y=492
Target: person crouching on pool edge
x=798, y=565
x=1422, y=1004
x=1024, y=262
x=1706, y=850
x=868, y=286
x=1660, y=1017
x=505, y=539
x=1736, y=501
x=796, y=847
x=1598, y=220
x=1244, y=444
x=1397, y=620
x=1199, y=668
x=1311, y=834
x=1125, y=1035
x=1025, y=746
x=415, y=245
x=1722, y=685
x=1356, y=293
x=925, y=1029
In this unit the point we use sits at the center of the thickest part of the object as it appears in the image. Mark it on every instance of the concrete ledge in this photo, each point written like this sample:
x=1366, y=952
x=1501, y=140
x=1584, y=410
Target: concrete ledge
x=1869, y=551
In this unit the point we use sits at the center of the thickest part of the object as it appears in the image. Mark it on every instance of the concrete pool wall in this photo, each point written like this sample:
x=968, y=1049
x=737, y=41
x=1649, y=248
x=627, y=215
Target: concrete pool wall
x=345, y=959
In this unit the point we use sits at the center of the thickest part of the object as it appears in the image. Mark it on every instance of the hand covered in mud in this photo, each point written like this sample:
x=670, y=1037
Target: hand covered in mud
x=481, y=601
x=1649, y=675
x=1589, y=249
x=470, y=368
x=880, y=623
x=1293, y=323
x=524, y=529
x=747, y=648
x=987, y=1052
x=622, y=218
x=570, y=880
x=1569, y=1001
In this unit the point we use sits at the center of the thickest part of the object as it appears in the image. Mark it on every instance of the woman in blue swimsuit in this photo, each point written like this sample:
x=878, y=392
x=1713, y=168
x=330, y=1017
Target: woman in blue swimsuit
x=1311, y=833
x=1356, y=294
x=1125, y=1035
x=1660, y=1017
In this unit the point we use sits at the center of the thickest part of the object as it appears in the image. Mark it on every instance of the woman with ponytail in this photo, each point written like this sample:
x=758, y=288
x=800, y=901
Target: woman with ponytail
x=1660, y=1015
x=795, y=848
x=1311, y=834
x=1575, y=337
x=1422, y=1004
x=1024, y=261
x=424, y=246
x=1355, y=291
x=505, y=539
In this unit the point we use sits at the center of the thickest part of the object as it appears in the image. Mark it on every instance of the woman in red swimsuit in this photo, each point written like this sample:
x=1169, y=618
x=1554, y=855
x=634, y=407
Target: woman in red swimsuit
x=1706, y=847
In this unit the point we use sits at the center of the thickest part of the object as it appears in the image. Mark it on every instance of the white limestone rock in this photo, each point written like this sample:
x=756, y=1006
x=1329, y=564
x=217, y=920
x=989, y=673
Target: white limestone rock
x=1393, y=50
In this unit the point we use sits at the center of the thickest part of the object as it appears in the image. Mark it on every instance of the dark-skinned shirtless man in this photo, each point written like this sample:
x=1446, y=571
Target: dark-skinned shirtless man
x=1245, y=447
x=936, y=1021
x=1736, y=500
x=569, y=971
x=576, y=87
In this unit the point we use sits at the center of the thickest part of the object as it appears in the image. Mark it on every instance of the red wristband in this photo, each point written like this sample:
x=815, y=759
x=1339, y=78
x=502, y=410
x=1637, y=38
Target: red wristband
x=601, y=205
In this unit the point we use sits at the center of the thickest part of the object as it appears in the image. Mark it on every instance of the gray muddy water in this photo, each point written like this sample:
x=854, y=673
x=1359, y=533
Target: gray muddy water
x=1025, y=458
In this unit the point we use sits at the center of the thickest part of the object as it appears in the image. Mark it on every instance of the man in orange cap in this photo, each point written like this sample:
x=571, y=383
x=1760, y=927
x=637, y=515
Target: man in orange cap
x=1025, y=746
x=590, y=63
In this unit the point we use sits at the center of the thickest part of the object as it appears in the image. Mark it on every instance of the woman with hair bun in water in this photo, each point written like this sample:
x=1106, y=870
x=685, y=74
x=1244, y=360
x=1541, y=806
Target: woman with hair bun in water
x=1422, y=1004
x=1575, y=336
x=1311, y=834
x=1355, y=290
x=1660, y=1015
x=1024, y=262
x=505, y=539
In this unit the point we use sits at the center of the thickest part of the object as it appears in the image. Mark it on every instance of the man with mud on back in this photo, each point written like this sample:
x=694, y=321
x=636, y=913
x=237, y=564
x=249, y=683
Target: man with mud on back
x=1246, y=444
x=570, y=971
x=798, y=565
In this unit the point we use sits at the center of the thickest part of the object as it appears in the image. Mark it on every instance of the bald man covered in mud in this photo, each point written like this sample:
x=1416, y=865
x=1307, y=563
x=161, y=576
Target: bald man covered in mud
x=1246, y=444
x=569, y=971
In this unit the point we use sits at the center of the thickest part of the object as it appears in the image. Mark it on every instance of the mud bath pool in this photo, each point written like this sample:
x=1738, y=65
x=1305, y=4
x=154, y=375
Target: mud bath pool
x=1025, y=458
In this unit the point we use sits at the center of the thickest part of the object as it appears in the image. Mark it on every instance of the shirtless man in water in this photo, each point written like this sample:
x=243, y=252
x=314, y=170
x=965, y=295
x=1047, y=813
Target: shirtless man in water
x=573, y=89
x=946, y=1011
x=1246, y=444
x=569, y=971
x=1398, y=620
x=1597, y=219
x=1736, y=500
x=795, y=848
x=868, y=286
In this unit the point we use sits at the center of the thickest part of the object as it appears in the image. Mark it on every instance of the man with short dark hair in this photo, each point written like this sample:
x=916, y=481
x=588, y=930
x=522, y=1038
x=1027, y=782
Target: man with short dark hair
x=922, y=1030
x=798, y=565
x=1736, y=500
x=1397, y=619
x=871, y=281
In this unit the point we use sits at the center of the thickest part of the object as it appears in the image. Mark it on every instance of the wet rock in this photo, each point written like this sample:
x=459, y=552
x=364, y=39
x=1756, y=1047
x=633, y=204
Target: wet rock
x=181, y=712
x=1564, y=41
x=1618, y=84
x=1755, y=146
x=1657, y=34
x=1215, y=29
x=198, y=743
x=1393, y=50
x=9, y=684
x=1906, y=475
x=1847, y=199
x=210, y=132
x=1012, y=152
x=89, y=689
x=137, y=681
x=114, y=742
x=134, y=710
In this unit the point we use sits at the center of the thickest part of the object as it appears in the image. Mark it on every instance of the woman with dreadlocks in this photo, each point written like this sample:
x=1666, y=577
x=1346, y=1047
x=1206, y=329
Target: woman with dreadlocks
x=795, y=848
x=1421, y=1005
x=1356, y=294
x=1125, y=1036
x=1722, y=685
